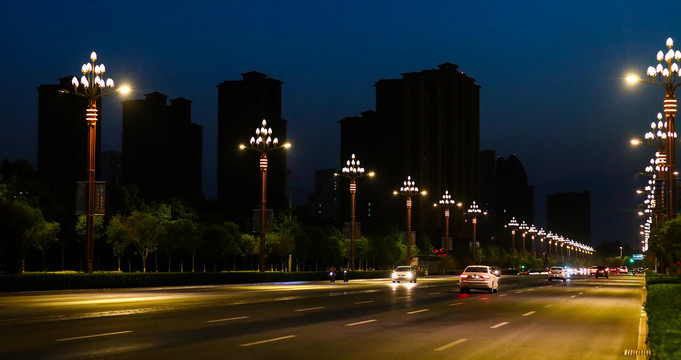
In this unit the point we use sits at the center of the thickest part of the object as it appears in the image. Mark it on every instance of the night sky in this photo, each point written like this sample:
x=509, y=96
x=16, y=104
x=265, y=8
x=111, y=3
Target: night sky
x=551, y=75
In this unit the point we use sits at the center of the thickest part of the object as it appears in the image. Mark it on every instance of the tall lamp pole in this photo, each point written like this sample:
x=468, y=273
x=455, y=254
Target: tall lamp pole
x=513, y=224
x=447, y=202
x=523, y=227
x=474, y=211
x=353, y=171
x=409, y=189
x=666, y=74
x=263, y=143
x=92, y=86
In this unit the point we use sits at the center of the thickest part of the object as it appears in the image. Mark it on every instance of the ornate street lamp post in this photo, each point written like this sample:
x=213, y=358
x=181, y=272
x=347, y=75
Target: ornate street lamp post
x=532, y=231
x=474, y=211
x=263, y=143
x=513, y=224
x=666, y=74
x=409, y=189
x=524, y=228
x=447, y=203
x=353, y=171
x=92, y=86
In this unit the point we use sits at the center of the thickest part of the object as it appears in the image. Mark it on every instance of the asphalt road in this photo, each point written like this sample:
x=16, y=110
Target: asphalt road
x=530, y=318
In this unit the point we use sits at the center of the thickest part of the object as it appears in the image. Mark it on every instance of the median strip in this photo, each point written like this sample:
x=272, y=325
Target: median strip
x=269, y=340
x=499, y=325
x=361, y=322
x=95, y=335
x=453, y=343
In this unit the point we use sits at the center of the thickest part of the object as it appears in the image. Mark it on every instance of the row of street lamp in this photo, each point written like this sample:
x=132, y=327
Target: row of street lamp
x=574, y=248
x=661, y=172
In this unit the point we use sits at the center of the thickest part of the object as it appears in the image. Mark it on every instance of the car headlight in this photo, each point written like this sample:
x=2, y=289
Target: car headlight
x=394, y=275
x=409, y=275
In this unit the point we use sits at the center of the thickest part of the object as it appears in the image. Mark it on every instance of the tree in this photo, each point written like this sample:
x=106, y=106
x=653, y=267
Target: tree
x=117, y=236
x=146, y=231
x=666, y=245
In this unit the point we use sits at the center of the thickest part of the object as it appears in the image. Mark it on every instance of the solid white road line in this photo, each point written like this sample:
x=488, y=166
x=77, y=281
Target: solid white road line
x=95, y=335
x=361, y=322
x=269, y=340
x=529, y=313
x=228, y=319
x=499, y=325
x=364, y=302
x=417, y=311
x=310, y=309
x=453, y=343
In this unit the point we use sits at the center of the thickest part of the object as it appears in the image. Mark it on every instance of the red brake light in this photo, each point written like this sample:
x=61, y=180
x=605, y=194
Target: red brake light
x=464, y=276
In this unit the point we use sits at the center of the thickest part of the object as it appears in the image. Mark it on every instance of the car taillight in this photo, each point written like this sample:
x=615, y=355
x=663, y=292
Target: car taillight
x=464, y=276
x=486, y=277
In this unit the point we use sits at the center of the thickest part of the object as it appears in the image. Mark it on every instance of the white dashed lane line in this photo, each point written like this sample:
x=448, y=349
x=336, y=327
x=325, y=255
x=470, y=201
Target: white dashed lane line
x=529, y=313
x=455, y=304
x=269, y=340
x=95, y=335
x=228, y=319
x=310, y=309
x=499, y=325
x=361, y=322
x=418, y=311
x=453, y=343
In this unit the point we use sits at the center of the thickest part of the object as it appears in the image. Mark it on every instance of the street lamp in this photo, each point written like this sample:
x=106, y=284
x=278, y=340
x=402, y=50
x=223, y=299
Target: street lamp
x=474, y=211
x=92, y=86
x=524, y=227
x=263, y=143
x=513, y=224
x=409, y=189
x=353, y=171
x=447, y=202
x=669, y=79
x=532, y=231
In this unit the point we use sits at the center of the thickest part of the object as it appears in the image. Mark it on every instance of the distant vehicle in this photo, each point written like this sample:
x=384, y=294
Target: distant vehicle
x=478, y=277
x=639, y=270
x=624, y=270
x=601, y=271
x=592, y=270
x=496, y=271
x=557, y=272
x=404, y=273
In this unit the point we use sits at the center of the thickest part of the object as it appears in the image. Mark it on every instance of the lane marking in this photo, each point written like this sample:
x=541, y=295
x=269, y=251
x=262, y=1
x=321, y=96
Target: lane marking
x=434, y=293
x=269, y=340
x=453, y=343
x=417, y=311
x=95, y=335
x=548, y=306
x=364, y=302
x=529, y=313
x=503, y=295
x=228, y=319
x=532, y=289
x=483, y=299
x=573, y=296
x=518, y=292
x=499, y=325
x=455, y=304
x=361, y=322
x=310, y=309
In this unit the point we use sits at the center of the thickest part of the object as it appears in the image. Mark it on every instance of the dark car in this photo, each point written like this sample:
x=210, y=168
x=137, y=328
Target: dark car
x=601, y=271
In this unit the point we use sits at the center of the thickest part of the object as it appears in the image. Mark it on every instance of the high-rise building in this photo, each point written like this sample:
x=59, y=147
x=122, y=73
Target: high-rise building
x=515, y=198
x=569, y=215
x=162, y=148
x=242, y=106
x=63, y=141
x=427, y=126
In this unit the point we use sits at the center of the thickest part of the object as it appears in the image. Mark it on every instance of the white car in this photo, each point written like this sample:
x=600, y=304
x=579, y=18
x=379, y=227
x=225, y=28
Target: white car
x=478, y=277
x=557, y=272
x=404, y=273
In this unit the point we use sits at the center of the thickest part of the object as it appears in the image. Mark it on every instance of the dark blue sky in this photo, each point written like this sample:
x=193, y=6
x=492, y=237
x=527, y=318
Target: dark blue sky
x=550, y=74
